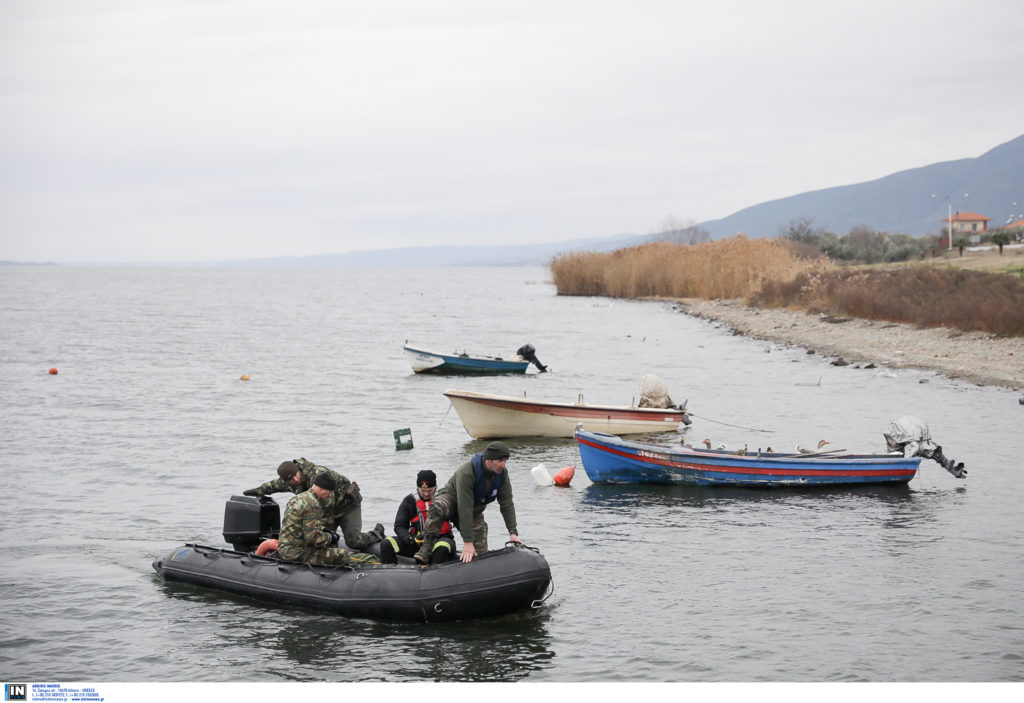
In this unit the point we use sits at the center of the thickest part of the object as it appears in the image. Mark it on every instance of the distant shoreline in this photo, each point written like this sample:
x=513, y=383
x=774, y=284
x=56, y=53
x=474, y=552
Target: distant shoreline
x=977, y=357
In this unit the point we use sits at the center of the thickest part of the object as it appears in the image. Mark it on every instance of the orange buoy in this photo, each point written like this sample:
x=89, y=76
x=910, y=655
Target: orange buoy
x=267, y=545
x=245, y=377
x=53, y=370
x=564, y=475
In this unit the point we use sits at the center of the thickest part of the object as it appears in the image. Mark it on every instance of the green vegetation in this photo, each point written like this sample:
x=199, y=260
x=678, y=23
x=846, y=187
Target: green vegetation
x=1000, y=239
x=787, y=272
x=862, y=244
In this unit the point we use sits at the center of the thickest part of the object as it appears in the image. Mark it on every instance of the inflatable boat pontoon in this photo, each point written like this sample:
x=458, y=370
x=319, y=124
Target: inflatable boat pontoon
x=499, y=582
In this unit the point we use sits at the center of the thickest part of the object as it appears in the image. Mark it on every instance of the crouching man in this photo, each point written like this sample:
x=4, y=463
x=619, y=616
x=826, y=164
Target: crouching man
x=303, y=537
x=297, y=476
x=481, y=480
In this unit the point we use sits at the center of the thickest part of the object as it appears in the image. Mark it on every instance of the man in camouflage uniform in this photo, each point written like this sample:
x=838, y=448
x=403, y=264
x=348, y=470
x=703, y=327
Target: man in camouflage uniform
x=302, y=530
x=298, y=475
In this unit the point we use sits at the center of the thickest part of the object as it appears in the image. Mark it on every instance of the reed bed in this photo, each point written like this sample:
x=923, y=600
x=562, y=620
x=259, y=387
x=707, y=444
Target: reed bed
x=727, y=268
x=920, y=295
x=772, y=273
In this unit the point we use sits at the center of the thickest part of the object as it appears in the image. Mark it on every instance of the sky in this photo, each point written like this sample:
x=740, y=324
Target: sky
x=184, y=130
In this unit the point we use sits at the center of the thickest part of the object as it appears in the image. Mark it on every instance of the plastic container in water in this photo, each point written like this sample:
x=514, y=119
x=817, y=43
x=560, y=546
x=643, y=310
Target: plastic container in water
x=541, y=476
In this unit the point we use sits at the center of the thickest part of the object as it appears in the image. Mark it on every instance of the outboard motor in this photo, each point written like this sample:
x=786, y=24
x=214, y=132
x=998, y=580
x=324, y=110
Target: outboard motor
x=527, y=351
x=911, y=437
x=249, y=520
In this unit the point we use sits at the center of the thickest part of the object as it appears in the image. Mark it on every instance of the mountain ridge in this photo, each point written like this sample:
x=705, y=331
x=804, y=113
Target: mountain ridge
x=913, y=201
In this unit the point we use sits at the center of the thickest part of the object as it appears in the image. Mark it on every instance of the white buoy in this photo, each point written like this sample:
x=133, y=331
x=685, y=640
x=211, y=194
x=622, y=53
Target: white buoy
x=541, y=475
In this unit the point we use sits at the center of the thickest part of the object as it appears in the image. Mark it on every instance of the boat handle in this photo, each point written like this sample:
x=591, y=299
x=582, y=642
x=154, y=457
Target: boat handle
x=540, y=602
x=203, y=551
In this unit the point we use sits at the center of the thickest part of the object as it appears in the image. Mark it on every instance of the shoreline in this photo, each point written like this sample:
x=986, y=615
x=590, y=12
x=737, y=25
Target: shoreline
x=978, y=357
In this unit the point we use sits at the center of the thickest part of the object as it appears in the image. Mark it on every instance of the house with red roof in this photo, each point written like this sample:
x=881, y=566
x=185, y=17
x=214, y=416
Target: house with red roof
x=968, y=222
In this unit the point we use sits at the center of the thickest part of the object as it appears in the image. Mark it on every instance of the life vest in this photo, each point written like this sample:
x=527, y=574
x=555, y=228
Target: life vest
x=480, y=494
x=420, y=519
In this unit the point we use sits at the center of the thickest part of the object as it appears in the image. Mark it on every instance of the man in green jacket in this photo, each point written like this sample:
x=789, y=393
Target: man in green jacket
x=298, y=475
x=481, y=480
x=303, y=537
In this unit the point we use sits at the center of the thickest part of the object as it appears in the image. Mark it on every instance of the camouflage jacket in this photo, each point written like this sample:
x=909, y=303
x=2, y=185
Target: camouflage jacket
x=309, y=472
x=303, y=524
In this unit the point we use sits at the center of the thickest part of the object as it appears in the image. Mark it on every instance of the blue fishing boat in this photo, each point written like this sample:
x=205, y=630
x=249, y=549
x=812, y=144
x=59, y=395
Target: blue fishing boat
x=611, y=459
x=424, y=361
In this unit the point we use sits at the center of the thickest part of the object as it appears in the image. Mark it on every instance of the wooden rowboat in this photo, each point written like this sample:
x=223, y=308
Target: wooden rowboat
x=423, y=361
x=610, y=459
x=492, y=416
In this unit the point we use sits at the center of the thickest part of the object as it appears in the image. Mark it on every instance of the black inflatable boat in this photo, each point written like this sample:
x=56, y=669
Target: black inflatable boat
x=500, y=582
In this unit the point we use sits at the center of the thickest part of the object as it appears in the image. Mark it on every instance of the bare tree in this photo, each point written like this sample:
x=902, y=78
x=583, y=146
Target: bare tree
x=674, y=230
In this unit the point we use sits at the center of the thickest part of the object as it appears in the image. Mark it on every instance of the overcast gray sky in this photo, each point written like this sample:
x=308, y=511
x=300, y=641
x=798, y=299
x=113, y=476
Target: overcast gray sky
x=181, y=130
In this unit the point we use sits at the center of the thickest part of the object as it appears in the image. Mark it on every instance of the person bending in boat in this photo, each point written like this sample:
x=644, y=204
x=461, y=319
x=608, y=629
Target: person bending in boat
x=303, y=537
x=481, y=480
x=298, y=475
x=409, y=522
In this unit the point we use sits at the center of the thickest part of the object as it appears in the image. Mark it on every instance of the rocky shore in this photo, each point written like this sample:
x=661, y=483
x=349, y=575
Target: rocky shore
x=977, y=357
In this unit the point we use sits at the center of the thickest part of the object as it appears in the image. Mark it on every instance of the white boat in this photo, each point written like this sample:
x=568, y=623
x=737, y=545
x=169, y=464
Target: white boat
x=489, y=416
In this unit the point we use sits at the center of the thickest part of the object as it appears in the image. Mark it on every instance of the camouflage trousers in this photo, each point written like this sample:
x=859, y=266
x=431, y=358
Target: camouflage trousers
x=348, y=515
x=446, y=507
x=329, y=556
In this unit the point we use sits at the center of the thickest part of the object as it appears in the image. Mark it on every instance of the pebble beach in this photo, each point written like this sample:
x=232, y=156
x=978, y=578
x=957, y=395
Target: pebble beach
x=977, y=357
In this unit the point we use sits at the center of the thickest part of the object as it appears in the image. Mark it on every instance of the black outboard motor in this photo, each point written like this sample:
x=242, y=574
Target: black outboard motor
x=527, y=351
x=911, y=437
x=249, y=520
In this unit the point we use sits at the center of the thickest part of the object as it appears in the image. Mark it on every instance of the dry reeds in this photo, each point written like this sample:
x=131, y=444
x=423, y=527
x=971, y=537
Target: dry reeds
x=728, y=268
x=772, y=273
x=921, y=295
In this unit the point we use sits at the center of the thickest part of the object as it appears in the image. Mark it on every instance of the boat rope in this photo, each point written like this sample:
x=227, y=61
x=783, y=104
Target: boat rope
x=739, y=427
x=443, y=418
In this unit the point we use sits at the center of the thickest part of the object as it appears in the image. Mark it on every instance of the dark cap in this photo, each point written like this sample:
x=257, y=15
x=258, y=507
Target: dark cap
x=426, y=479
x=287, y=469
x=496, y=450
x=325, y=480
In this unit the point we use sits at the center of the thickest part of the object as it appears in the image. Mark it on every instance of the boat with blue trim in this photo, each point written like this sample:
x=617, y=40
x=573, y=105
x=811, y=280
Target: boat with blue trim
x=610, y=459
x=424, y=361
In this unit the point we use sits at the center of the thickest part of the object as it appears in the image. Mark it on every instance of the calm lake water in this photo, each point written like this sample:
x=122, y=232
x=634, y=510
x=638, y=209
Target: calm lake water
x=133, y=448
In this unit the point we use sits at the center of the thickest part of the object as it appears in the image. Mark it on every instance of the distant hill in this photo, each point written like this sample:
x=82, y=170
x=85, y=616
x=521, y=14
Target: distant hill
x=900, y=203
x=511, y=255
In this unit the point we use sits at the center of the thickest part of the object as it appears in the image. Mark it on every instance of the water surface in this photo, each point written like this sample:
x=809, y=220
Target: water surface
x=133, y=448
